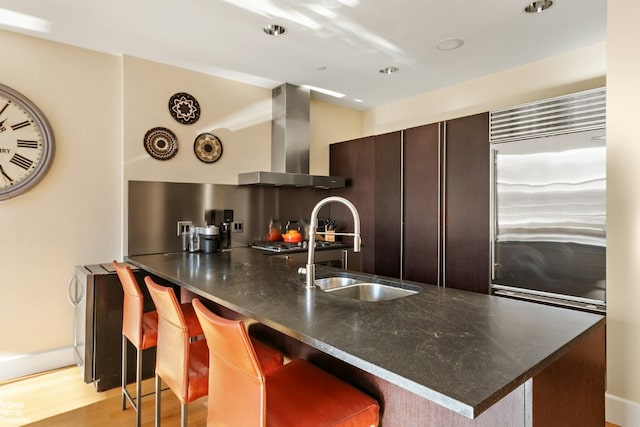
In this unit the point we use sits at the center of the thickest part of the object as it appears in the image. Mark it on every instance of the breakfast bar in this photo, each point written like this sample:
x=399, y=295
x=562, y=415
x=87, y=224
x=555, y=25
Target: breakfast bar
x=438, y=357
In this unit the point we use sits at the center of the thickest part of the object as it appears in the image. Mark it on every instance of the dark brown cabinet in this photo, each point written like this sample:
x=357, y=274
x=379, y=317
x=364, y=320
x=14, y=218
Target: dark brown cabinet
x=371, y=166
x=423, y=193
x=466, y=197
x=422, y=220
x=446, y=203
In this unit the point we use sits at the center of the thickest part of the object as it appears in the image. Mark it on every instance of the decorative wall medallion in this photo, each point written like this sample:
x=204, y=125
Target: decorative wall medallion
x=207, y=147
x=160, y=143
x=184, y=108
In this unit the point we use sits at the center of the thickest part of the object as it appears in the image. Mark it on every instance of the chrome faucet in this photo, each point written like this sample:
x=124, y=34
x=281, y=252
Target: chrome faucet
x=310, y=270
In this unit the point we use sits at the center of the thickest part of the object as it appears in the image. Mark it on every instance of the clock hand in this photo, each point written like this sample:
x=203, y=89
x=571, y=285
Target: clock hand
x=5, y=174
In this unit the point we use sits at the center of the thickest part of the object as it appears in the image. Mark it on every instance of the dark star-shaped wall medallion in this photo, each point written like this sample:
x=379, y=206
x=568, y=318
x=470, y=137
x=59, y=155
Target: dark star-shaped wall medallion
x=184, y=108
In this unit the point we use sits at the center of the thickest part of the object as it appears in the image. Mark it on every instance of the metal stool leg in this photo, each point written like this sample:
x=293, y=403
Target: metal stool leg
x=124, y=372
x=185, y=412
x=138, y=405
x=133, y=401
x=158, y=399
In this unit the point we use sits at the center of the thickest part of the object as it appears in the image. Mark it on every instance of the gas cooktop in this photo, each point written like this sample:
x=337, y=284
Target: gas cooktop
x=294, y=247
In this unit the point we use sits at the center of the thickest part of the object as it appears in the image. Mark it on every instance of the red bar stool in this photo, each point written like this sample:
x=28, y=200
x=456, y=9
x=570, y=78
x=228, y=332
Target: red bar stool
x=141, y=329
x=241, y=393
x=182, y=364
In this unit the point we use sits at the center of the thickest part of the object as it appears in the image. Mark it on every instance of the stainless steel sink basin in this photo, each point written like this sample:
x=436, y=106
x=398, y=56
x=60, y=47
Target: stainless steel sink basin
x=349, y=287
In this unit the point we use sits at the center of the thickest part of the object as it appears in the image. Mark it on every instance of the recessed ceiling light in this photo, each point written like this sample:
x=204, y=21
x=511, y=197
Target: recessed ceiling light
x=358, y=100
x=274, y=30
x=538, y=6
x=450, y=44
x=389, y=70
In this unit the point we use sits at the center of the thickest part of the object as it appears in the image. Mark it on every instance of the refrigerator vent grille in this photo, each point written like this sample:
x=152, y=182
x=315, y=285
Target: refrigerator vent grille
x=564, y=114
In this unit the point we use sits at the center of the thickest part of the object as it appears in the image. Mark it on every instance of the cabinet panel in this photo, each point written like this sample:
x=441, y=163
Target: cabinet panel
x=388, y=203
x=355, y=160
x=421, y=206
x=466, y=203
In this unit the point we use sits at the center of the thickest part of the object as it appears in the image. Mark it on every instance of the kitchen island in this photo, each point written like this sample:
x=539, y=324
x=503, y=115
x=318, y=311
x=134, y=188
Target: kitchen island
x=439, y=357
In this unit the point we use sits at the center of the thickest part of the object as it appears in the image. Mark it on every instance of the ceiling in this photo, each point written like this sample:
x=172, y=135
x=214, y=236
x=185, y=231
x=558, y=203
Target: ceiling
x=333, y=44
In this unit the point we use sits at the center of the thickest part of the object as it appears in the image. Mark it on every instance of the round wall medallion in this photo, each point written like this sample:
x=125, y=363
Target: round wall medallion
x=207, y=147
x=160, y=143
x=184, y=108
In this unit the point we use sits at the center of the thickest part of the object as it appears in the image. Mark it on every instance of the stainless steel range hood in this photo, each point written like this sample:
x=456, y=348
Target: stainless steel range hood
x=290, y=143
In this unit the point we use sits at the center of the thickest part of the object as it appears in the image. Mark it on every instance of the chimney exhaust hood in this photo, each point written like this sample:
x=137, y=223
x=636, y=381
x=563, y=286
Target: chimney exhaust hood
x=290, y=144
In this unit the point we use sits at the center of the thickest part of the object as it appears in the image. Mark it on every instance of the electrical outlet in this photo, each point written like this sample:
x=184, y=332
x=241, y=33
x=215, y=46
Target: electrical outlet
x=236, y=227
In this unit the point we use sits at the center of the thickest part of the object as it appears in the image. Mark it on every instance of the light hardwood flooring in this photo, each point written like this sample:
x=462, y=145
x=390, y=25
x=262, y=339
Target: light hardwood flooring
x=60, y=398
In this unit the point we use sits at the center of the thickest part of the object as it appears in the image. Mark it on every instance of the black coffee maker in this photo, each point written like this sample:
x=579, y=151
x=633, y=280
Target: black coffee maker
x=222, y=218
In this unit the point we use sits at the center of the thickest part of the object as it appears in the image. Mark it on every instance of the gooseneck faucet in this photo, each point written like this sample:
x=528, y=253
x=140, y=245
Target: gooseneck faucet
x=311, y=268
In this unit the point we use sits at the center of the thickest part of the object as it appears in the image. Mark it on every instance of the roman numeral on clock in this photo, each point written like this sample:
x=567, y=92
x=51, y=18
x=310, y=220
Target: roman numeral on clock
x=27, y=144
x=20, y=125
x=21, y=161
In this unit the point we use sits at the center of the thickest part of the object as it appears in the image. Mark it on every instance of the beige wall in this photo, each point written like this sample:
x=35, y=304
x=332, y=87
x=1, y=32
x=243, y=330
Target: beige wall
x=329, y=124
x=73, y=215
x=237, y=113
x=623, y=206
x=572, y=72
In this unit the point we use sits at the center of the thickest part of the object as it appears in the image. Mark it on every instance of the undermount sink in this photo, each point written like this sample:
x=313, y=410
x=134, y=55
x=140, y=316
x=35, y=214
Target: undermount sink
x=357, y=289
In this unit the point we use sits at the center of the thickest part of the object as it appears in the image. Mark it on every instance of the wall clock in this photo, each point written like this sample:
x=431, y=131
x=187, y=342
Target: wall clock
x=26, y=144
x=208, y=147
x=184, y=108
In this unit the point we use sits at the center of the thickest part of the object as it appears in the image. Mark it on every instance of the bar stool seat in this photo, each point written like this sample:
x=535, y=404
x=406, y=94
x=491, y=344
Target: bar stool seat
x=297, y=394
x=141, y=329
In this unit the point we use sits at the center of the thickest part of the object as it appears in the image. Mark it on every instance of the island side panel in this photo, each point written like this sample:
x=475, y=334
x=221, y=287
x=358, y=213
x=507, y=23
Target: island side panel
x=570, y=391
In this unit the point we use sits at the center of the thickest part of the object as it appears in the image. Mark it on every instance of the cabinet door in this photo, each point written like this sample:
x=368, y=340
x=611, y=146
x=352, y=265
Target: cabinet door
x=421, y=260
x=466, y=203
x=355, y=160
x=388, y=204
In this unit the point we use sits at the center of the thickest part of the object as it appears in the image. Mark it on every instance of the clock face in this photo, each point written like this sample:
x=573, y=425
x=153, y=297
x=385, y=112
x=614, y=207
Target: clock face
x=26, y=143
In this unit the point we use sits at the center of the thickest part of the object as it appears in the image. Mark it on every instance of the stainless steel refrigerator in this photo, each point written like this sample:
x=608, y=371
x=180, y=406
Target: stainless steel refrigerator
x=549, y=218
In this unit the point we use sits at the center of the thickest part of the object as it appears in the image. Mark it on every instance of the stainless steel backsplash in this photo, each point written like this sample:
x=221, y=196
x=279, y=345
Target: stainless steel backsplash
x=155, y=208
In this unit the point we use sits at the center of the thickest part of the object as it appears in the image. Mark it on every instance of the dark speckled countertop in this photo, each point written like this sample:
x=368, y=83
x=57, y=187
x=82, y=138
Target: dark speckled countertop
x=462, y=350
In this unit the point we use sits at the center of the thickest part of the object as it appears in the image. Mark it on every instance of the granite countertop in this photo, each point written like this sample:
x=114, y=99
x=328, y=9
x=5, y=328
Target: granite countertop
x=462, y=350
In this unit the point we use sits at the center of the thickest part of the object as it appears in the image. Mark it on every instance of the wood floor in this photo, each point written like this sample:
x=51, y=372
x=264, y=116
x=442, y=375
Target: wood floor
x=60, y=398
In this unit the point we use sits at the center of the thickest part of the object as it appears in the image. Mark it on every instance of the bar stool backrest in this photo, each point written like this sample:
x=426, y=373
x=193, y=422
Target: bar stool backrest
x=133, y=305
x=173, y=340
x=237, y=388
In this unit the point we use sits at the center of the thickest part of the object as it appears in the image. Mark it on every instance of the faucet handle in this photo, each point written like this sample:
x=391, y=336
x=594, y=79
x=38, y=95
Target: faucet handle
x=302, y=270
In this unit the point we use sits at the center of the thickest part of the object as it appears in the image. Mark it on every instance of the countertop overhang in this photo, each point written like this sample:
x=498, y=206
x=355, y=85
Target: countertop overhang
x=462, y=350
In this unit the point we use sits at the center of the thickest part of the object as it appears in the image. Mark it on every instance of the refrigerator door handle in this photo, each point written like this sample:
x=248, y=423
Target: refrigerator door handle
x=493, y=200
x=442, y=181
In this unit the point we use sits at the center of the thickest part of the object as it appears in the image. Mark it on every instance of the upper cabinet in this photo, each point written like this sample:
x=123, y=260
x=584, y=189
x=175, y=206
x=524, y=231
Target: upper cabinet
x=429, y=198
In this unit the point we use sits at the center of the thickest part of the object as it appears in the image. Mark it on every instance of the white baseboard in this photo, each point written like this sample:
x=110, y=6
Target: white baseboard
x=16, y=366
x=622, y=412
